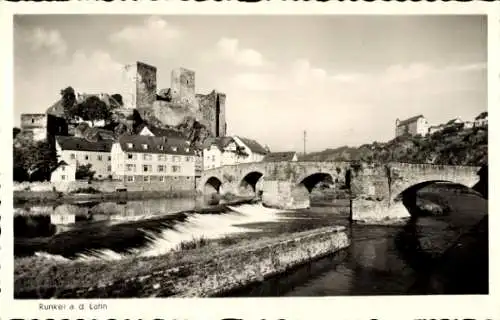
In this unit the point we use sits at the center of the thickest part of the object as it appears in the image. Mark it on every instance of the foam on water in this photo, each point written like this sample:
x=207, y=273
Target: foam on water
x=196, y=226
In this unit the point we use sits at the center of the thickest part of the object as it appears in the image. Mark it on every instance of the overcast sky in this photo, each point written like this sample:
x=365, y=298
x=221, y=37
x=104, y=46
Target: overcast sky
x=343, y=79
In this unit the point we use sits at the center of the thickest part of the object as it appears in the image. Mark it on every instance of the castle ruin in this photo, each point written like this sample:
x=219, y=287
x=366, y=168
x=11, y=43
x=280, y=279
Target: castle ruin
x=172, y=105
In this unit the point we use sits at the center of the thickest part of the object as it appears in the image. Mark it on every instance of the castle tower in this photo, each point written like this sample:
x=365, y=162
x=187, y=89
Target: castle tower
x=139, y=85
x=183, y=85
x=220, y=114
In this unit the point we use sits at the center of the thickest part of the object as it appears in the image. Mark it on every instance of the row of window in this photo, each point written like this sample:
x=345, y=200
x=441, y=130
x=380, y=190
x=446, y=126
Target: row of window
x=63, y=168
x=88, y=157
x=160, y=147
x=147, y=178
x=149, y=168
x=160, y=157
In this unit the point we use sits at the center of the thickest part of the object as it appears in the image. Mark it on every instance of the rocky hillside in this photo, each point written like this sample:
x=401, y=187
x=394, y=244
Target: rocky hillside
x=452, y=146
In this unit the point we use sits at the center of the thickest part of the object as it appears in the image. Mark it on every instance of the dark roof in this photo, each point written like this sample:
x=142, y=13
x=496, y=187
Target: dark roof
x=162, y=145
x=253, y=145
x=81, y=144
x=482, y=115
x=279, y=156
x=410, y=120
x=220, y=142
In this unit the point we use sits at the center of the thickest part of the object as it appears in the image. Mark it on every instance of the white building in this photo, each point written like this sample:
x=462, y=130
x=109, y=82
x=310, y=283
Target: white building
x=481, y=120
x=63, y=173
x=225, y=151
x=412, y=126
x=152, y=159
x=79, y=151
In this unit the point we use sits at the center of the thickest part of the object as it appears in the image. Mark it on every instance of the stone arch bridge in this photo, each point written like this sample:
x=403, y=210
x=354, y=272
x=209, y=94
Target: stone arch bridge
x=376, y=189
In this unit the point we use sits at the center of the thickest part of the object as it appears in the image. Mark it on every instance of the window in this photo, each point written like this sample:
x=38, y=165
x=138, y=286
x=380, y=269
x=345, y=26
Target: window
x=187, y=149
x=174, y=148
x=145, y=146
x=109, y=158
x=63, y=177
x=130, y=145
x=160, y=147
x=99, y=157
x=130, y=178
x=146, y=178
x=213, y=158
x=63, y=168
x=162, y=178
x=87, y=157
x=175, y=158
x=161, y=157
x=147, y=168
x=188, y=158
x=32, y=120
x=130, y=167
x=147, y=157
x=130, y=156
x=72, y=156
x=109, y=168
x=176, y=169
x=161, y=168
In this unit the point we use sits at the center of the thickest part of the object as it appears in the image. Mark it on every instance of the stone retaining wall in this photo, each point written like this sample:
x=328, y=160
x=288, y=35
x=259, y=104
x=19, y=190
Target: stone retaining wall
x=231, y=268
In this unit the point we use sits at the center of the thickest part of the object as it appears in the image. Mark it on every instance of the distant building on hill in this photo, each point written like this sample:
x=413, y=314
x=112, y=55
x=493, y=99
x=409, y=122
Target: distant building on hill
x=481, y=120
x=412, y=126
x=280, y=156
x=79, y=151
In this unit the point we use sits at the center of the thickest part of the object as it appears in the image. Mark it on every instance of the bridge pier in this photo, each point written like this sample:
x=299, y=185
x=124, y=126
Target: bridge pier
x=284, y=195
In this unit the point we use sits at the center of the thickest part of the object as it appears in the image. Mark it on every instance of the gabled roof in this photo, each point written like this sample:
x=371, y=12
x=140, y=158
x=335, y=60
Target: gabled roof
x=279, y=156
x=160, y=145
x=253, y=145
x=219, y=142
x=482, y=115
x=410, y=120
x=81, y=144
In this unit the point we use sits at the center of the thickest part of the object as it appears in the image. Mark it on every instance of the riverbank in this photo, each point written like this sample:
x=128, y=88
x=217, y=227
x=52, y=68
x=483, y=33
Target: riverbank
x=56, y=198
x=206, y=268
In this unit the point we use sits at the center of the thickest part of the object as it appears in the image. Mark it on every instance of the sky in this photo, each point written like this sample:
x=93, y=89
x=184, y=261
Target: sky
x=342, y=79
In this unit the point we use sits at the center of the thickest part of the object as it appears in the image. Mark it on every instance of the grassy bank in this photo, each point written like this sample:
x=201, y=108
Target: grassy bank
x=55, y=197
x=205, y=268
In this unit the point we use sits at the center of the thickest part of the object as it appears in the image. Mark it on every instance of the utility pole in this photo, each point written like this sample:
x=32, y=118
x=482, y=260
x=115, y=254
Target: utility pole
x=304, y=142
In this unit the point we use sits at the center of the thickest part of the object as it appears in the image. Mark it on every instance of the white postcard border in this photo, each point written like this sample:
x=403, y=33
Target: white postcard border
x=379, y=307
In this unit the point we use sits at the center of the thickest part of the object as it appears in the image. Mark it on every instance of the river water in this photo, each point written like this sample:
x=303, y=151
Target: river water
x=380, y=260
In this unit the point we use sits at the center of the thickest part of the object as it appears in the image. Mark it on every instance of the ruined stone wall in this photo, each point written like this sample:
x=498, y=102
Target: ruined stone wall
x=33, y=120
x=146, y=85
x=222, y=115
x=206, y=115
x=183, y=85
x=129, y=86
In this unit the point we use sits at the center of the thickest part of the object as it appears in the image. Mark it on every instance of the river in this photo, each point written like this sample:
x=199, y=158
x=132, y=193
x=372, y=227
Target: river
x=380, y=260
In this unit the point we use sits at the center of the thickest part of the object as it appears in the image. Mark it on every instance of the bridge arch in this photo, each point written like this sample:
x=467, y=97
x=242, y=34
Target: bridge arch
x=250, y=181
x=212, y=185
x=312, y=180
x=408, y=197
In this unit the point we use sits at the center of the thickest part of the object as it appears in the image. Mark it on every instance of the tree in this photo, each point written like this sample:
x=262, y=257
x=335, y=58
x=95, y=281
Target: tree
x=84, y=172
x=93, y=109
x=68, y=98
x=118, y=98
x=34, y=161
x=15, y=132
